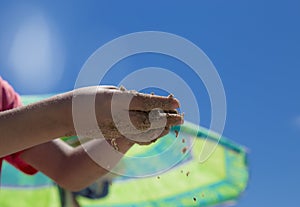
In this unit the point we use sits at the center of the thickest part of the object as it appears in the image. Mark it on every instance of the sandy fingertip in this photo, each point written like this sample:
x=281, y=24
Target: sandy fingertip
x=122, y=88
x=171, y=96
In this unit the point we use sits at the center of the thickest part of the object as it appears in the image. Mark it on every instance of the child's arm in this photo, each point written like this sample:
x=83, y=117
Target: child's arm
x=73, y=168
x=28, y=126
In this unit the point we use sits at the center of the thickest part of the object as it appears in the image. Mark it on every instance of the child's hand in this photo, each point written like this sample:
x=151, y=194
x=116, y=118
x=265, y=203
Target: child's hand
x=139, y=117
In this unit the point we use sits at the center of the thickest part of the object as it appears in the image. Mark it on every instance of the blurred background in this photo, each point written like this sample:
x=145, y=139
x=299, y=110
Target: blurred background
x=254, y=46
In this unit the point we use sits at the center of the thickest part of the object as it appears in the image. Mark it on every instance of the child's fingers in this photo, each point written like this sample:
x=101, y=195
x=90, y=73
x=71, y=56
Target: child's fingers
x=142, y=102
x=138, y=122
x=174, y=119
x=171, y=111
x=155, y=119
x=146, y=102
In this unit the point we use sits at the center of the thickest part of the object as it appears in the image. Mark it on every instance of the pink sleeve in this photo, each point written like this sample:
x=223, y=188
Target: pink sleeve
x=9, y=99
x=17, y=162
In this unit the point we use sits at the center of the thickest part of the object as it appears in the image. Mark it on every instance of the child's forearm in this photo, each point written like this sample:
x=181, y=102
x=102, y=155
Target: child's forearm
x=75, y=168
x=27, y=126
x=91, y=162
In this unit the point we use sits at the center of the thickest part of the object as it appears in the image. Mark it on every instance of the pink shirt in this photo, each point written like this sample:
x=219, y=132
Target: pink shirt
x=9, y=99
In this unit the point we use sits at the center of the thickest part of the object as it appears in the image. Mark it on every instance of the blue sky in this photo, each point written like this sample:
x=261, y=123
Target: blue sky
x=254, y=45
